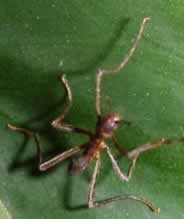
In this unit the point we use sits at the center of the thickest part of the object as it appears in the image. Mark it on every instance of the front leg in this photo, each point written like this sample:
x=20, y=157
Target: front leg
x=58, y=122
x=117, y=68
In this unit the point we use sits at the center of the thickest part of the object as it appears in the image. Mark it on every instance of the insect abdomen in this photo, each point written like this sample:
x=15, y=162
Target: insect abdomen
x=79, y=164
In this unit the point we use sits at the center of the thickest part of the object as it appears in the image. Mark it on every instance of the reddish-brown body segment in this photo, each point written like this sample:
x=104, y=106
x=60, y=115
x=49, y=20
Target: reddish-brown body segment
x=104, y=129
x=94, y=148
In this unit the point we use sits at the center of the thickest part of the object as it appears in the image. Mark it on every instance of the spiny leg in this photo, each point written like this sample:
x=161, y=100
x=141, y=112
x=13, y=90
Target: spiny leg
x=58, y=122
x=125, y=60
x=45, y=165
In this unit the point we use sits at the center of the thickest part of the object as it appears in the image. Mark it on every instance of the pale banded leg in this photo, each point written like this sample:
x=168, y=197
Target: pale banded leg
x=134, y=153
x=123, y=176
x=152, y=145
x=125, y=60
x=45, y=165
x=144, y=201
x=92, y=203
x=92, y=183
x=58, y=122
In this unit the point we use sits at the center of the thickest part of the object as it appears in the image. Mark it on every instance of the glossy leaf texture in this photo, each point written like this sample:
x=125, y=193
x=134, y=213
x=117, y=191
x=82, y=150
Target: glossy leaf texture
x=41, y=39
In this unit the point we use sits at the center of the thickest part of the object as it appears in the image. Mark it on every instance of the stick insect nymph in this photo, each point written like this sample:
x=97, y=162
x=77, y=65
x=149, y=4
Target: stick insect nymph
x=106, y=124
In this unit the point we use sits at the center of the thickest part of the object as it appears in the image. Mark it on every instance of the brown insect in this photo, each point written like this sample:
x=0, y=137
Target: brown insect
x=105, y=126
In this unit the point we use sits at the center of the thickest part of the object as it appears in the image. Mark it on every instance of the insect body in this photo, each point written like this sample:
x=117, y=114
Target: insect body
x=106, y=124
x=104, y=129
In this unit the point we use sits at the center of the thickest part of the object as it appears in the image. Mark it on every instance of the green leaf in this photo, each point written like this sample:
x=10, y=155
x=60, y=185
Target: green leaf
x=3, y=212
x=41, y=39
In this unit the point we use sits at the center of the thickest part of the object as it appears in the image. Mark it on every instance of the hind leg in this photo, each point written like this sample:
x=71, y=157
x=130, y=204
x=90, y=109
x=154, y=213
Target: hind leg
x=45, y=165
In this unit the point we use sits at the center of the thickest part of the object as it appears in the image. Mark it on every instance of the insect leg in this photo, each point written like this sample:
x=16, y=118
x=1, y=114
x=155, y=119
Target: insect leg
x=144, y=201
x=117, y=68
x=123, y=177
x=45, y=165
x=58, y=122
x=91, y=202
x=124, y=152
x=152, y=145
x=134, y=153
